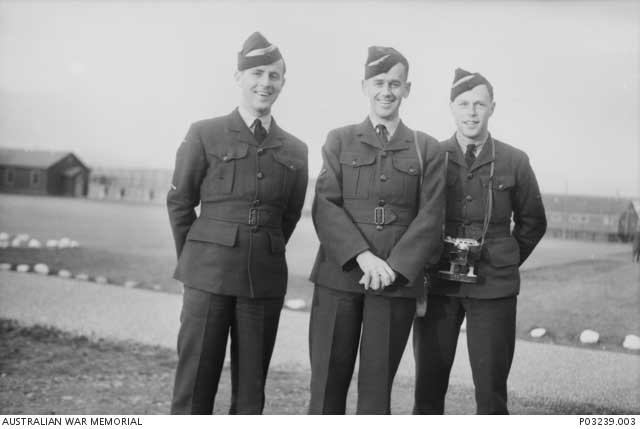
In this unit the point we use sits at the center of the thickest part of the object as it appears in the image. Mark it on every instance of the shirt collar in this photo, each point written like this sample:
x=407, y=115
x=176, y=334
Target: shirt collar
x=478, y=149
x=249, y=118
x=392, y=126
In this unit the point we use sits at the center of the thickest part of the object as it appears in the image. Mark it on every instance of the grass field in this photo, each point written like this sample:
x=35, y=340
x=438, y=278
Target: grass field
x=45, y=371
x=567, y=286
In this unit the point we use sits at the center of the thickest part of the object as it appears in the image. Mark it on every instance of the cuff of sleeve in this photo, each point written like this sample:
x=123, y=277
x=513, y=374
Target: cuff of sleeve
x=351, y=262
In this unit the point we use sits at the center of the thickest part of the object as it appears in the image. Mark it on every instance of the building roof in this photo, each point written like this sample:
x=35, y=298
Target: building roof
x=30, y=158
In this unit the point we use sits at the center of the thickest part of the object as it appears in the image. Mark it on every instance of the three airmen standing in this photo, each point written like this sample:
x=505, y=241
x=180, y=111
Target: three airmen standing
x=379, y=211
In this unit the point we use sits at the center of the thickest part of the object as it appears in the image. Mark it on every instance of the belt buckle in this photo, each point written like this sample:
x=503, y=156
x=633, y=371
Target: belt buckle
x=254, y=217
x=378, y=217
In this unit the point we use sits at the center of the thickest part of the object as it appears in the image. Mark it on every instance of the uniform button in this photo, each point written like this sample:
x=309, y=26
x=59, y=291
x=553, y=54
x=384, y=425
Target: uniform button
x=412, y=170
x=469, y=198
x=354, y=162
x=379, y=227
x=383, y=177
x=501, y=186
x=381, y=203
x=260, y=151
x=260, y=175
x=254, y=228
x=256, y=203
x=225, y=158
x=469, y=176
x=383, y=154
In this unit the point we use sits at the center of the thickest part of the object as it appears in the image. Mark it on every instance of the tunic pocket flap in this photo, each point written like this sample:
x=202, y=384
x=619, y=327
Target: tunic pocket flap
x=288, y=161
x=235, y=151
x=213, y=231
x=277, y=242
x=407, y=165
x=503, y=252
x=357, y=159
x=500, y=183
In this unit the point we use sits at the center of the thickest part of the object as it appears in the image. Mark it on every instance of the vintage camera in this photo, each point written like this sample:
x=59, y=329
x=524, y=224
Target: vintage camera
x=462, y=254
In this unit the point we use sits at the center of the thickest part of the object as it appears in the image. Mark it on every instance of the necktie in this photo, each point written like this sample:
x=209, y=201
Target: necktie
x=258, y=131
x=470, y=154
x=381, y=130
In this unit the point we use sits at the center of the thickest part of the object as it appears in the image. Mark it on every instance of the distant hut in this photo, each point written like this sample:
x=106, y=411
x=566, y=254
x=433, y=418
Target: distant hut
x=585, y=217
x=37, y=172
x=628, y=222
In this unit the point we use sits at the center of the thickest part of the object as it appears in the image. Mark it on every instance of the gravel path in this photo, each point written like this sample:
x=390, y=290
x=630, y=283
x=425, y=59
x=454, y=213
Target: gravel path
x=549, y=372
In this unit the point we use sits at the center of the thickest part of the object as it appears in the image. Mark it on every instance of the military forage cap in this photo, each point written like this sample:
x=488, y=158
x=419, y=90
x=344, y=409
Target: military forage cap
x=381, y=59
x=465, y=81
x=257, y=51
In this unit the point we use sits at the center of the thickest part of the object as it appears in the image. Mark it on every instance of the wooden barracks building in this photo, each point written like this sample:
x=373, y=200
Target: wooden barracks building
x=38, y=172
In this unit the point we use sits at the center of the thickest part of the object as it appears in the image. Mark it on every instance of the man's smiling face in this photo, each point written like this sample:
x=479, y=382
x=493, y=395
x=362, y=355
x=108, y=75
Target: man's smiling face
x=386, y=91
x=261, y=86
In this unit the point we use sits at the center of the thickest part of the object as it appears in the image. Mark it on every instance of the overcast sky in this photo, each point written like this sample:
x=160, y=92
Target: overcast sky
x=119, y=83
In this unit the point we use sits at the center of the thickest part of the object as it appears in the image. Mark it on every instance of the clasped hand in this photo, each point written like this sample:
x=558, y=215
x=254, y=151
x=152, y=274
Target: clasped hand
x=377, y=273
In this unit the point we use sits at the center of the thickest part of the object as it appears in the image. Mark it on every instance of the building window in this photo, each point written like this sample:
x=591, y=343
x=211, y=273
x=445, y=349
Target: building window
x=35, y=178
x=10, y=176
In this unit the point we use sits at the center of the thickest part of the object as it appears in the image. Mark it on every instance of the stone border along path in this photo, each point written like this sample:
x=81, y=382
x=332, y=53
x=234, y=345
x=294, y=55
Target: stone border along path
x=588, y=336
x=551, y=372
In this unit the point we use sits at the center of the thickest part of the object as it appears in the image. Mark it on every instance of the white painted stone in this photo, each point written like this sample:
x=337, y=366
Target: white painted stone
x=52, y=243
x=131, y=284
x=22, y=268
x=41, y=269
x=65, y=274
x=589, y=337
x=5, y=267
x=631, y=342
x=74, y=244
x=538, y=332
x=463, y=327
x=34, y=244
x=101, y=280
x=4, y=236
x=295, y=304
x=16, y=242
x=4, y=244
x=64, y=243
x=82, y=276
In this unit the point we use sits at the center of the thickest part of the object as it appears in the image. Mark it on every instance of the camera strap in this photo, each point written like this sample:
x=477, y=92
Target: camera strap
x=489, y=205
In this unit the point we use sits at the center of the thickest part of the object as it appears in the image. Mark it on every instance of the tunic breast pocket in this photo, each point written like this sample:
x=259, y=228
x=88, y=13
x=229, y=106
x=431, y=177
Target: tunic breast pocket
x=283, y=173
x=502, y=188
x=224, y=167
x=407, y=175
x=357, y=172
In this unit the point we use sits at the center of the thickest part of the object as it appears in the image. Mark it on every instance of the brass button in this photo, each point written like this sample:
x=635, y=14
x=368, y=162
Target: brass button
x=260, y=151
x=412, y=170
x=469, y=176
x=225, y=158
x=469, y=198
x=383, y=177
x=383, y=154
x=255, y=203
x=354, y=162
x=379, y=227
x=291, y=166
x=260, y=175
x=501, y=186
x=381, y=203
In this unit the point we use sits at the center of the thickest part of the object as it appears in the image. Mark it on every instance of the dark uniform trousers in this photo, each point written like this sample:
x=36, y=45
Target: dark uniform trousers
x=207, y=319
x=231, y=258
x=337, y=319
x=490, y=340
x=369, y=197
x=489, y=304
